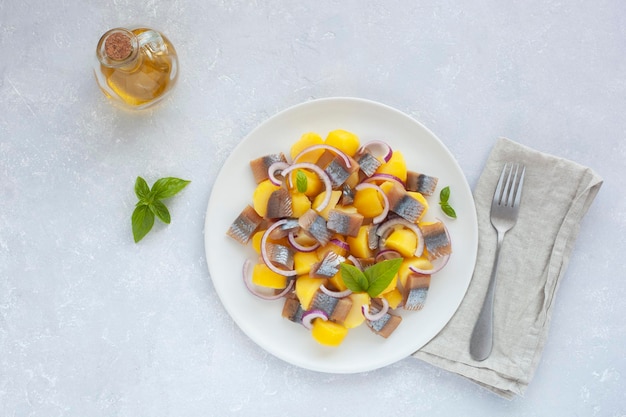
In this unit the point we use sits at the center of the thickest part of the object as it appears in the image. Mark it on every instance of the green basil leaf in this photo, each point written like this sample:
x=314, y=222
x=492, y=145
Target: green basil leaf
x=167, y=187
x=161, y=211
x=141, y=188
x=150, y=205
x=444, y=195
x=448, y=210
x=142, y=221
x=380, y=275
x=353, y=277
x=301, y=182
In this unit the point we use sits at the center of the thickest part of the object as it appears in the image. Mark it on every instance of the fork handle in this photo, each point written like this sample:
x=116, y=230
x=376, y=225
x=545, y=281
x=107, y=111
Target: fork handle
x=481, y=341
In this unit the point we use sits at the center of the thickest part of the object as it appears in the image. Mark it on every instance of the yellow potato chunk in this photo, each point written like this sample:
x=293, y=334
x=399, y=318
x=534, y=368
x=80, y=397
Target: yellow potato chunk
x=387, y=186
x=358, y=244
x=396, y=166
x=303, y=260
x=306, y=287
x=393, y=297
x=328, y=333
x=402, y=240
x=261, y=196
x=355, y=316
x=256, y=241
x=334, y=199
x=345, y=141
x=314, y=184
x=337, y=282
x=307, y=140
x=368, y=202
x=265, y=277
x=300, y=204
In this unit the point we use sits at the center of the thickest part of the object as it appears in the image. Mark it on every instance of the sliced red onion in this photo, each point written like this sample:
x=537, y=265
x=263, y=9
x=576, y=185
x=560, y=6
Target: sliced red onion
x=387, y=254
x=310, y=315
x=382, y=216
x=323, y=176
x=342, y=155
x=385, y=177
x=256, y=290
x=301, y=248
x=438, y=265
x=290, y=226
x=265, y=255
x=376, y=316
x=380, y=149
x=335, y=294
x=273, y=169
x=343, y=245
x=355, y=262
x=384, y=228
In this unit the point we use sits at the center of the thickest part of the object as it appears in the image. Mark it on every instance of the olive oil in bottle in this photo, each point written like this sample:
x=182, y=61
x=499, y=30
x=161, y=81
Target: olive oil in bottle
x=136, y=68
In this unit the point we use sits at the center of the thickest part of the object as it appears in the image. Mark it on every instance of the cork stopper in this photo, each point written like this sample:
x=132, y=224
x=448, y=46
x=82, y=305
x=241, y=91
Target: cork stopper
x=118, y=46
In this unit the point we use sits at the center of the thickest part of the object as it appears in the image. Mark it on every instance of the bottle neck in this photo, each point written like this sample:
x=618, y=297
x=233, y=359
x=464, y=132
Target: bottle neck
x=118, y=48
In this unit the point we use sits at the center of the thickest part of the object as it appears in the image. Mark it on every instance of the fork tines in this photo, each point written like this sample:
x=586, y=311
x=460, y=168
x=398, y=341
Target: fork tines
x=509, y=192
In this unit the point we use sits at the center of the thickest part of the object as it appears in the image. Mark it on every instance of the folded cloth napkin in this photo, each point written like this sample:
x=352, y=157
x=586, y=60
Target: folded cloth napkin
x=533, y=260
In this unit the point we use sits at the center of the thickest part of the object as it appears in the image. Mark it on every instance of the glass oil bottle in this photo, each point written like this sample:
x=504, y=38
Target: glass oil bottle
x=136, y=68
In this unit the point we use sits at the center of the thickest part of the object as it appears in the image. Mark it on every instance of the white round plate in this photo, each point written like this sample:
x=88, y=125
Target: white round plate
x=261, y=320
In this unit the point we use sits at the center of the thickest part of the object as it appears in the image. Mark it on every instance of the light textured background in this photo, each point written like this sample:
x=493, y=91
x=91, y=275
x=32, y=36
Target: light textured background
x=93, y=325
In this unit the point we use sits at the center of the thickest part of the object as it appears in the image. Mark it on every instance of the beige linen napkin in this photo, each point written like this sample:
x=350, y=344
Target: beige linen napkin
x=533, y=260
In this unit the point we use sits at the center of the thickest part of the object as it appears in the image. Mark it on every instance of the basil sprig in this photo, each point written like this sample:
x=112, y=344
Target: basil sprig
x=444, y=196
x=372, y=280
x=150, y=204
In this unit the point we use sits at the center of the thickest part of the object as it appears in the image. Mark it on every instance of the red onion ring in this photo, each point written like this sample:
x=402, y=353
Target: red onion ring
x=342, y=155
x=301, y=248
x=382, y=216
x=385, y=177
x=377, y=316
x=335, y=294
x=436, y=268
x=323, y=176
x=378, y=148
x=271, y=172
x=387, y=254
x=355, y=262
x=265, y=256
x=343, y=245
x=310, y=315
x=247, y=280
x=383, y=228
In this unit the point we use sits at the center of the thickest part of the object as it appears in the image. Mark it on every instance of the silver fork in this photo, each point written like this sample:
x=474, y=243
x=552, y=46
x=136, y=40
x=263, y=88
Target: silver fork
x=504, y=210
